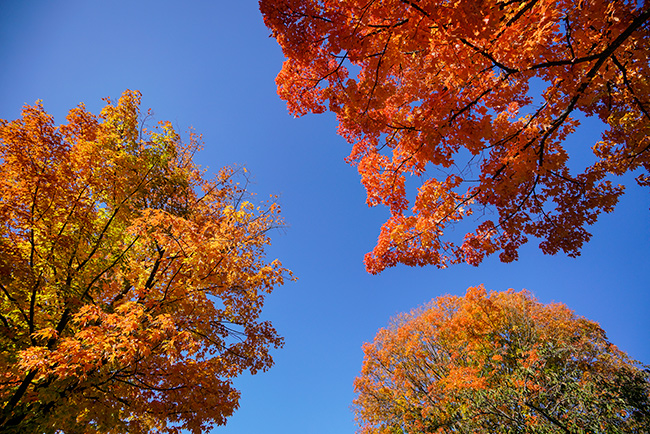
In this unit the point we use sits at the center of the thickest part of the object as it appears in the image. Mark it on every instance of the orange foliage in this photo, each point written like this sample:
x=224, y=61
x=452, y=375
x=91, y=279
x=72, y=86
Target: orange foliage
x=477, y=99
x=497, y=363
x=131, y=287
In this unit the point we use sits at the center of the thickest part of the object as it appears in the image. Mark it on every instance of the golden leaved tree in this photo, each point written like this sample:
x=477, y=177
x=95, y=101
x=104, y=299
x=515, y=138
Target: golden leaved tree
x=131, y=287
x=475, y=98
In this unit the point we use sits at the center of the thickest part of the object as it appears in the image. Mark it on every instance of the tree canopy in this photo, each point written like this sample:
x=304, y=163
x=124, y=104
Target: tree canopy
x=498, y=362
x=131, y=285
x=476, y=101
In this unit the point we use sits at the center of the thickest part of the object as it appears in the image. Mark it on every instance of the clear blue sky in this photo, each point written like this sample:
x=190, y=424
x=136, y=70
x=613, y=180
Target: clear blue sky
x=211, y=65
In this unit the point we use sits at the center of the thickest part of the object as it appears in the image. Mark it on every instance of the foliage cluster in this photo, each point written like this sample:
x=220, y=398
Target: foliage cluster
x=448, y=92
x=498, y=363
x=131, y=286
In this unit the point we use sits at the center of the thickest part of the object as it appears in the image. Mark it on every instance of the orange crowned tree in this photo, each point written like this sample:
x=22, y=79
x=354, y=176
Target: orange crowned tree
x=498, y=363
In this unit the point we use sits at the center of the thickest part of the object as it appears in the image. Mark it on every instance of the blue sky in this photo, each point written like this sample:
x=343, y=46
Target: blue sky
x=211, y=65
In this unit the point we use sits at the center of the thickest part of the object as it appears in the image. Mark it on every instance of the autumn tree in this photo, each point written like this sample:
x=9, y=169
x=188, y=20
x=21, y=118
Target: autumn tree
x=498, y=362
x=474, y=102
x=131, y=285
